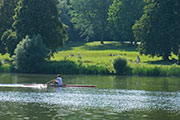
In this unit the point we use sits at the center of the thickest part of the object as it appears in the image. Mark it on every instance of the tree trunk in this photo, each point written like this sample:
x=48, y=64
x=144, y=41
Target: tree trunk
x=131, y=43
x=102, y=39
x=166, y=57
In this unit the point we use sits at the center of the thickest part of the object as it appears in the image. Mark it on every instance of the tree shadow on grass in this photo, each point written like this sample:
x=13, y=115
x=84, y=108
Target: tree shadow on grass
x=111, y=46
x=70, y=45
x=107, y=46
x=162, y=62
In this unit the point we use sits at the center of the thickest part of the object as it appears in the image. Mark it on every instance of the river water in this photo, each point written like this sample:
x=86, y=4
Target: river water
x=114, y=98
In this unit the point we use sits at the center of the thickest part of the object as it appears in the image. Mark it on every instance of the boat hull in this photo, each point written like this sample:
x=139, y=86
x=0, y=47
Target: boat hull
x=91, y=86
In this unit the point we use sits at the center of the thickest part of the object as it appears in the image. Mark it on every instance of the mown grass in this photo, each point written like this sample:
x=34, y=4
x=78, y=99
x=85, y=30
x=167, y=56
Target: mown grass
x=96, y=58
x=98, y=54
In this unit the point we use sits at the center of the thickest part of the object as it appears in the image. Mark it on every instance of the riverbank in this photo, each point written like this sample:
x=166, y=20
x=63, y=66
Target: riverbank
x=96, y=58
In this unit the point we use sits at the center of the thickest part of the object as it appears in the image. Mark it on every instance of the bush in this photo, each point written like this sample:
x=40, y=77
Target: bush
x=94, y=69
x=5, y=68
x=30, y=54
x=63, y=67
x=143, y=70
x=120, y=66
x=72, y=67
x=174, y=70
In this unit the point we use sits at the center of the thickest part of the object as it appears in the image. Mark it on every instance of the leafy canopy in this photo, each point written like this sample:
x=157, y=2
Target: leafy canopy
x=6, y=20
x=158, y=28
x=90, y=17
x=122, y=15
x=40, y=17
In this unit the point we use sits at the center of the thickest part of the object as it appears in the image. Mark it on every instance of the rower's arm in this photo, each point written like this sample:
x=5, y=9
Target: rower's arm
x=51, y=81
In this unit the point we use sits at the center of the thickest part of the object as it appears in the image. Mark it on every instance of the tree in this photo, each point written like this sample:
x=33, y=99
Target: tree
x=6, y=18
x=90, y=17
x=64, y=6
x=122, y=15
x=9, y=41
x=40, y=17
x=158, y=28
x=26, y=58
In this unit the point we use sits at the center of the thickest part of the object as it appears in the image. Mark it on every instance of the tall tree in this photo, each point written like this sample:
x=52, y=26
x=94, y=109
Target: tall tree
x=40, y=17
x=64, y=6
x=158, y=28
x=122, y=15
x=90, y=17
x=6, y=18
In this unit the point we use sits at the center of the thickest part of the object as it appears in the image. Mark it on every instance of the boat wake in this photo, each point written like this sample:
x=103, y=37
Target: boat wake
x=37, y=86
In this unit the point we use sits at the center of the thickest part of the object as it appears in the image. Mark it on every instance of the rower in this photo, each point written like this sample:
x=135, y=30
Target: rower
x=57, y=81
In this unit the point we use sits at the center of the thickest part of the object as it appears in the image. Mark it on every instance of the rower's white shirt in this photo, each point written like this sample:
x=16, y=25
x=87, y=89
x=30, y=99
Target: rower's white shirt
x=59, y=80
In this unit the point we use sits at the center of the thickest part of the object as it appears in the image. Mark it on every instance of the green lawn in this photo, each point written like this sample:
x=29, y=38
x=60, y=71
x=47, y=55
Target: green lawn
x=96, y=53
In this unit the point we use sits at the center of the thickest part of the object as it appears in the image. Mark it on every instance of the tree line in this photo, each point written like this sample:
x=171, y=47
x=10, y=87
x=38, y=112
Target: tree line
x=153, y=23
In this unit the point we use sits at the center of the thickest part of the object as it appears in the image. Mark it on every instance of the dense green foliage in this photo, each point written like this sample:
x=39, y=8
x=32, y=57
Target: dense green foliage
x=158, y=29
x=63, y=67
x=120, y=65
x=5, y=68
x=29, y=54
x=40, y=17
x=6, y=19
x=9, y=40
x=90, y=17
x=169, y=71
x=73, y=34
x=122, y=15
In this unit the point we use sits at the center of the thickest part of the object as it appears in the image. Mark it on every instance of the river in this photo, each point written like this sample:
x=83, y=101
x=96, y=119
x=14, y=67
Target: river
x=114, y=98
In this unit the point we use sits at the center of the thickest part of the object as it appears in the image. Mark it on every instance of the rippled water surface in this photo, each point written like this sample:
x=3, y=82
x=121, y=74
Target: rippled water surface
x=114, y=98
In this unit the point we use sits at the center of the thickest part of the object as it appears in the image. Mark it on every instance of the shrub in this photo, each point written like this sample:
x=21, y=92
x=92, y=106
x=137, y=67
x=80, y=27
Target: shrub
x=5, y=68
x=120, y=65
x=30, y=54
x=94, y=69
x=174, y=70
x=72, y=67
x=153, y=71
x=143, y=70
x=63, y=67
